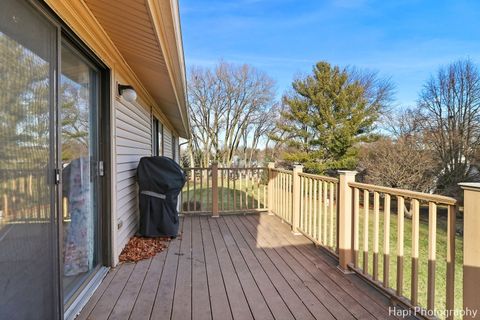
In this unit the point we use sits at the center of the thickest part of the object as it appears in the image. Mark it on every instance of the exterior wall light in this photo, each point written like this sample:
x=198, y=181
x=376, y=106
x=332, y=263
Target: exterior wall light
x=127, y=92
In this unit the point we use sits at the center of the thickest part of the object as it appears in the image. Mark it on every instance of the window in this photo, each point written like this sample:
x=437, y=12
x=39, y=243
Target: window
x=157, y=137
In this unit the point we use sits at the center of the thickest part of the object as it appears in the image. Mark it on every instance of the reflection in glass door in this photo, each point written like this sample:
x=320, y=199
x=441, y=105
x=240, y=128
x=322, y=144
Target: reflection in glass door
x=79, y=105
x=27, y=225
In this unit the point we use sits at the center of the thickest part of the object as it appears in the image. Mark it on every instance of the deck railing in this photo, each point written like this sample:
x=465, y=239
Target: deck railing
x=280, y=192
x=378, y=203
x=224, y=190
x=403, y=242
x=318, y=213
x=22, y=197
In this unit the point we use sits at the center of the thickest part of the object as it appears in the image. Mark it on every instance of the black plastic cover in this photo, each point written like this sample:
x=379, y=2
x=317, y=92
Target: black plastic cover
x=158, y=214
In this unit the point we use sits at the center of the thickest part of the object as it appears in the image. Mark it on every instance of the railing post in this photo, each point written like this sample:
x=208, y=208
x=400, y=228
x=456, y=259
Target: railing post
x=471, y=249
x=344, y=221
x=214, y=169
x=271, y=165
x=296, y=199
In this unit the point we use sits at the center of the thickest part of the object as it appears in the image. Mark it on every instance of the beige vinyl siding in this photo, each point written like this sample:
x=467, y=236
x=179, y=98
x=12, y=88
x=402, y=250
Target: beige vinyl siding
x=167, y=142
x=133, y=140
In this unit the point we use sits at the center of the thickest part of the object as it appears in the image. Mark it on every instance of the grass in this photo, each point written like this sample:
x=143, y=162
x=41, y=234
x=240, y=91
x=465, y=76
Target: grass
x=233, y=195
x=441, y=252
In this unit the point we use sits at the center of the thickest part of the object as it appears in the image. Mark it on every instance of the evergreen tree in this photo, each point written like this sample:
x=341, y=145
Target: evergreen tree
x=328, y=114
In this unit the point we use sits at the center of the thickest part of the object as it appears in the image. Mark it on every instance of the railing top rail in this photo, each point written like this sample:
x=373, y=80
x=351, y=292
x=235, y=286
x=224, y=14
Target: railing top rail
x=318, y=177
x=242, y=168
x=282, y=170
x=225, y=168
x=405, y=193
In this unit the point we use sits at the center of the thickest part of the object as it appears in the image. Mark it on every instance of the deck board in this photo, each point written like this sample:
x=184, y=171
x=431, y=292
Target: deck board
x=235, y=267
x=182, y=300
x=216, y=287
x=201, y=304
x=367, y=297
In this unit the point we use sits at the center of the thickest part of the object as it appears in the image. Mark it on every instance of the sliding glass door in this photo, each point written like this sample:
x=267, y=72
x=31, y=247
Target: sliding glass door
x=28, y=60
x=79, y=103
x=50, y=173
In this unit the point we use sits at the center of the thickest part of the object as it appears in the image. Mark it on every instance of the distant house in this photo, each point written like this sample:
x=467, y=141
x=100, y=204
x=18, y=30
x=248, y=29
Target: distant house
x=88, y=88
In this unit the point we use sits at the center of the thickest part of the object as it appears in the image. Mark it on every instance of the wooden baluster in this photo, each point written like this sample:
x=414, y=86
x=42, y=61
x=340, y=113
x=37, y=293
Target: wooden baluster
x=214, y=169
x=356, y=225
x=235, y=175
x=30, y=185
x=240, y=187
x=315, y=213
x=208, y=186
x=302, y=202
x=222, y=190
x=415, y=249
x=246, y=188
x=366, y=205
x=376, y=233
x=325, y=213
x=400, y=243
x=275, y=194
x=310, y=208
x=188, y=189
x=320, y=211
x=254, y=189
x=194, y=190
x=65, y=209
x=258, y=180
x=451, y=230
x=281, y=195
x=307, y=205
x=203, y=201
x=432, y=243
x=290, y=197
x=386, y=240
x=284, y=196
x=229, y=191
x=5, y=207
x=332, y=213
x=278, y=209
x=264, y=197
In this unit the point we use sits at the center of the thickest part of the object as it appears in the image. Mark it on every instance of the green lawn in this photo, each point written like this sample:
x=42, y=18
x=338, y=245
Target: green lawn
x=232, y=195
x=440, y=282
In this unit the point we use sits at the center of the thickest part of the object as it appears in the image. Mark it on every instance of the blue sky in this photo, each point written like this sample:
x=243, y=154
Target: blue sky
x=406, y=40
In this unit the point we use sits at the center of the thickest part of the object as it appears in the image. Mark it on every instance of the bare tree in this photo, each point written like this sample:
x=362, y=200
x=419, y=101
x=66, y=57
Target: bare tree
x=450, y=109
x=398, y=163
x=224, y=104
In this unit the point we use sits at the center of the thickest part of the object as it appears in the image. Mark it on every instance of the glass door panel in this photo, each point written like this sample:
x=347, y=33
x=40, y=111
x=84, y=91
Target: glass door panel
x=27, y=227
x=79, y=105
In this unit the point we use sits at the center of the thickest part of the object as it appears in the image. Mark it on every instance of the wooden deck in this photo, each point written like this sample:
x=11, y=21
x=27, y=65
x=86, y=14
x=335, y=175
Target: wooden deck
x=235, y=267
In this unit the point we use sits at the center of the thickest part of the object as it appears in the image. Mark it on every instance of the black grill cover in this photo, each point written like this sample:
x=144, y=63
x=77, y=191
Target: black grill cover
x=160, y=181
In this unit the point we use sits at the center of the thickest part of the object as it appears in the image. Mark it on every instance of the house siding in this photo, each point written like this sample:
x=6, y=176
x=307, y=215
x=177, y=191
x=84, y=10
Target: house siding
x=133, y=140
x=167, y=143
